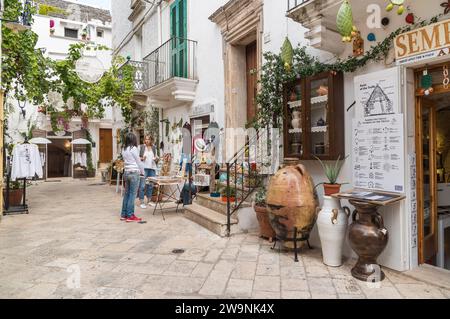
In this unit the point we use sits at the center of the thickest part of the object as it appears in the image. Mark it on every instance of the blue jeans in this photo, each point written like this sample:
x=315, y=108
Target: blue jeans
x=131, y=180
x=148, y=173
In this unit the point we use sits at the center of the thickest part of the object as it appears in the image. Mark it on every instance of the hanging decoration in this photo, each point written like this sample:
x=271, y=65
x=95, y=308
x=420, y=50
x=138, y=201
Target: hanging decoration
x=410, y=18
x=385, y=21
x=446, y=6
x=426, y=83
x=371, y=37
x=344, y=22
x=358, y=45
x=446, y=80
x=287, y=54
x=399, y=3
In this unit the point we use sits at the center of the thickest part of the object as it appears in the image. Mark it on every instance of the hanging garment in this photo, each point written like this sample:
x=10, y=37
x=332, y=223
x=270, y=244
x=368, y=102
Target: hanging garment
x=26, y=162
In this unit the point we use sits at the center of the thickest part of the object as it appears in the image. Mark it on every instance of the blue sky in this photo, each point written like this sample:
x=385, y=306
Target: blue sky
x=97, y=3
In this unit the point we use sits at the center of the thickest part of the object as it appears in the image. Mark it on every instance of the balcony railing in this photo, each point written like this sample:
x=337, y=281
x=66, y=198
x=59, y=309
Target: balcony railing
x=292, y=4
x=140, y=75
x=175, y=58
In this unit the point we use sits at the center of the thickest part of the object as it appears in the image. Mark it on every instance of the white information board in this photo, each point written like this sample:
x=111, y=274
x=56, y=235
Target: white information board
x=377, y=93
x=377, y=153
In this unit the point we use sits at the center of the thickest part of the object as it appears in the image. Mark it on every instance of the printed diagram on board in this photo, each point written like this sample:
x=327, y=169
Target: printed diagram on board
x=378, y=103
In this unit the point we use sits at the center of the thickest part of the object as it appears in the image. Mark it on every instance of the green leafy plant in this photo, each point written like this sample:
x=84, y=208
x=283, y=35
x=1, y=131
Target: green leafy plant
x=332, y=171
x=260, y=197
x=228, y=190
x=45, y=10
x=276, y=75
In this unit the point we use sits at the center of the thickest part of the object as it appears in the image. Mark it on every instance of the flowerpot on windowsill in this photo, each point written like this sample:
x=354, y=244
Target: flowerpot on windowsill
x=15, y=196
x=265, y=228
x=52, y=31
x=331, y=189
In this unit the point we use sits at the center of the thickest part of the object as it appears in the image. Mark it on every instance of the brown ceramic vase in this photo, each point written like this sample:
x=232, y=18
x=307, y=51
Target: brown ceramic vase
x=368, y=238
x=292, y=202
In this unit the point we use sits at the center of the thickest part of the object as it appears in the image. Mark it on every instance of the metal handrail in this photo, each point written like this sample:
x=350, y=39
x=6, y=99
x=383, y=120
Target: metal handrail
x=236, y=164
x=292, y=4
x=177, y=57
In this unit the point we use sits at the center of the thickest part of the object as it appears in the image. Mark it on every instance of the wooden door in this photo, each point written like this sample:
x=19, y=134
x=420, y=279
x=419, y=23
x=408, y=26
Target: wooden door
x=252, y=80
x=426, y=180
x=106, y=145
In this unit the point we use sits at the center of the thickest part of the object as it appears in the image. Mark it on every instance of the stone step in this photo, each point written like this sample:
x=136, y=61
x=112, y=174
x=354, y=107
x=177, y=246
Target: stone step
x=215, y=204
x=209, y=219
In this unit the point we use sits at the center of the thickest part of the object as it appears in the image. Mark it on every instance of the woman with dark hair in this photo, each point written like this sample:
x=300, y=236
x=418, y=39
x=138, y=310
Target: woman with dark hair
x=133, y=169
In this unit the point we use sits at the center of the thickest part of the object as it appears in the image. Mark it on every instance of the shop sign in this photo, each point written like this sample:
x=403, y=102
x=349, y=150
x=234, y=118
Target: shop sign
x=378, y=153
x=202, y=109
x=423, y=43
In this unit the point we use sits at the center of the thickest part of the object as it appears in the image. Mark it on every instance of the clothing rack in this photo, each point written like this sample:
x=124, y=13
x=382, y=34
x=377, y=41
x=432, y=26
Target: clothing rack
x=21, y=209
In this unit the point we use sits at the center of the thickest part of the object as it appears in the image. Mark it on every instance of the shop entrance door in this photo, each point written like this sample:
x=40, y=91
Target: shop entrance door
x=106, y=145
x=426, y=180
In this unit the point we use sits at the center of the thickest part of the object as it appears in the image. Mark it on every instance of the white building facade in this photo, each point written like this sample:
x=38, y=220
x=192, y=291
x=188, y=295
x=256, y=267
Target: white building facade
x=68, y=23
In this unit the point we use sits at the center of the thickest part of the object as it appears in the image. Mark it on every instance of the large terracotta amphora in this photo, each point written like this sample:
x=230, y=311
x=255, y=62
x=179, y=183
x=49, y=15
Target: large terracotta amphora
x=292, y=202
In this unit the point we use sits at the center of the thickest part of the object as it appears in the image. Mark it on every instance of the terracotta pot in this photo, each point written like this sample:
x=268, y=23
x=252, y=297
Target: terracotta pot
x=154, y=198
x=292, y=202
x=15, y=197
x=224, y=199
x=265, y=228
x=368, y=238
x=331, y=189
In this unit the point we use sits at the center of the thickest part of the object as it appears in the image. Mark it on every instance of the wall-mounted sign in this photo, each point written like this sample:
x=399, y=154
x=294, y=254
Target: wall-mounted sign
x=377, y=93
x=378, y=153
x=89, y=69
x=202, y=109
x=423, y=43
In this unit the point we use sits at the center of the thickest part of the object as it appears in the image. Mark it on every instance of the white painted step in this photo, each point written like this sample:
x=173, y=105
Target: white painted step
x=211, y=220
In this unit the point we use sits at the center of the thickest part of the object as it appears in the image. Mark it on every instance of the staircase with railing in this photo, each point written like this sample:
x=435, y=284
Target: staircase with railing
x=245, y=172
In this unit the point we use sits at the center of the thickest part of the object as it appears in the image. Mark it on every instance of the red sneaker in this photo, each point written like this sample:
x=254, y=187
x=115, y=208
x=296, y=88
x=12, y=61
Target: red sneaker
x=133, y=219
x=122, y=218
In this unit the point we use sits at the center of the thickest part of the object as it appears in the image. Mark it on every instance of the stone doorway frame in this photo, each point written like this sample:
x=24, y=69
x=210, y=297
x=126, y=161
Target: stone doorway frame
x=241, y=22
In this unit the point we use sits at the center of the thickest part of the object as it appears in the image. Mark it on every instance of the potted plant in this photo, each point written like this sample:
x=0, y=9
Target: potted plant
x=228, y=190
x=265, y=228
x=15, y=193
x=332, y=173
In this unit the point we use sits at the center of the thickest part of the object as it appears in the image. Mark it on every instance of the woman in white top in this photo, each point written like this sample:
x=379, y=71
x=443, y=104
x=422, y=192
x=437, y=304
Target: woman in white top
x=149, y=158
x=133, y=170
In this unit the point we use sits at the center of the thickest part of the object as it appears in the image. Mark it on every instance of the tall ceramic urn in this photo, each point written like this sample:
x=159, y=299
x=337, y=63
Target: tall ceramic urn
x=332, y=224
x=292, y=202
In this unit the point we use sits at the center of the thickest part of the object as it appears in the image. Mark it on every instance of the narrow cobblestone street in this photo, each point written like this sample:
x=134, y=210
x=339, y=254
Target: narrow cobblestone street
x=76, y=224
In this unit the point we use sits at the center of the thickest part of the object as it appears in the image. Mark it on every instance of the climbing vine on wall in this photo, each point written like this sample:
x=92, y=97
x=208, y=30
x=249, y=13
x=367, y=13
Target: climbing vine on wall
x=275, y=75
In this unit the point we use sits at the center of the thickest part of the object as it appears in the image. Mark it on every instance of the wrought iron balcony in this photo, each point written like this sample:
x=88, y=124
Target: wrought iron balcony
x=140, y=75
x=168, y=75
x=293, y=4
x=175, y=58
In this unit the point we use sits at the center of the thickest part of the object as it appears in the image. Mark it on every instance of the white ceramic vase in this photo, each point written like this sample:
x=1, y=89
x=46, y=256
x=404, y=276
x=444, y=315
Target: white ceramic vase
x=296, y=119
x=332, y=223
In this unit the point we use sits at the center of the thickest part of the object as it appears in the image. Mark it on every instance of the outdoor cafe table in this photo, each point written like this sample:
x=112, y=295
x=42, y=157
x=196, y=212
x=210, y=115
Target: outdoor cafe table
x=168, y=187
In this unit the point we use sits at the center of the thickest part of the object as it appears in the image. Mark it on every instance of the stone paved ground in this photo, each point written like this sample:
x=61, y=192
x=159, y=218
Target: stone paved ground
x=74, y=228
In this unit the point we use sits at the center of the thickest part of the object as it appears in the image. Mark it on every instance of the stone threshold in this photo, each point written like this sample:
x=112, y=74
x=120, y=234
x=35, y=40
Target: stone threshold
x=430, y=274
